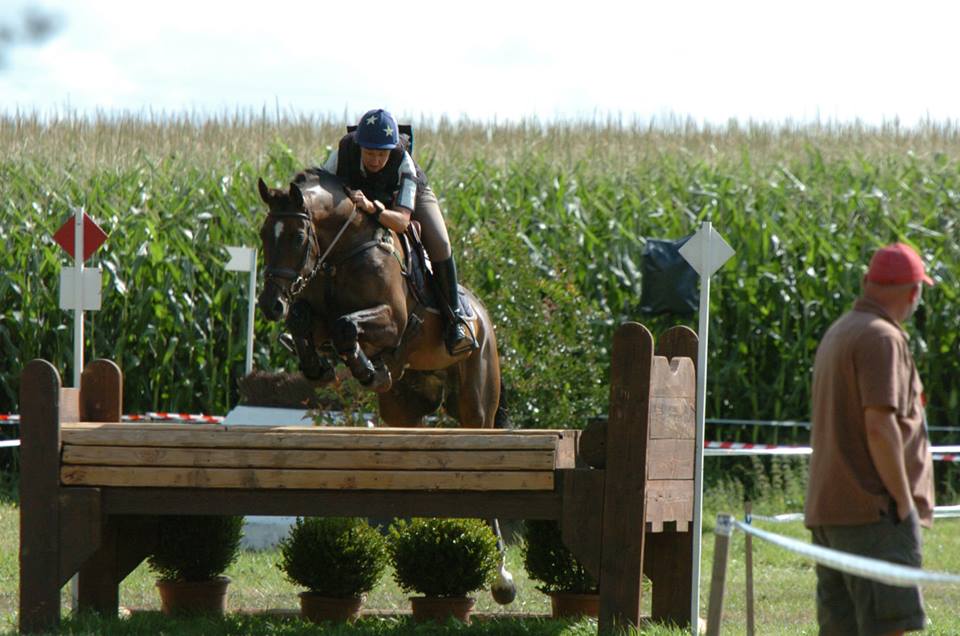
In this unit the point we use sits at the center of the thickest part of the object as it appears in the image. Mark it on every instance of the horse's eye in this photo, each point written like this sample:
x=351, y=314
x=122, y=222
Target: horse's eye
x=301, y=237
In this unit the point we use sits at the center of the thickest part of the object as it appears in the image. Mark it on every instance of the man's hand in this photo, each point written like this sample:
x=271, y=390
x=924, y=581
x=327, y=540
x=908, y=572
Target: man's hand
x=362, y=202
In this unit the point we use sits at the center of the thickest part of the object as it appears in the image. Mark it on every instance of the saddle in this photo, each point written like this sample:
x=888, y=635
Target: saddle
x=420, y=280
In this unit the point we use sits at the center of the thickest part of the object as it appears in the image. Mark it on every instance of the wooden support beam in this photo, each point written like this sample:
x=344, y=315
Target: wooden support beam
x=625, y=482
x=40, y=400
x=337, y=503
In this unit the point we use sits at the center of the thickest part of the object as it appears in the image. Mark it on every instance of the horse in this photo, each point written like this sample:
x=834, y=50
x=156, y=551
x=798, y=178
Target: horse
x=339, y=279
x=343, y=274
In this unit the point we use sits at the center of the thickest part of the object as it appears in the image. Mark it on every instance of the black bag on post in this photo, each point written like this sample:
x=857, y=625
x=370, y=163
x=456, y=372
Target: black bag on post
x=669, y=283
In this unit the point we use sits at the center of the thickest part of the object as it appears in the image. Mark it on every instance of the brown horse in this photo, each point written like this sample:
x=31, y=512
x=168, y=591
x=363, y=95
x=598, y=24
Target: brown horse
x=337, y=277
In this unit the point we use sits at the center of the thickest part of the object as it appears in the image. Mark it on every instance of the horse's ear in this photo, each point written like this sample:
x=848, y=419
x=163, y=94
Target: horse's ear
x=264, y=190
x=296, y=196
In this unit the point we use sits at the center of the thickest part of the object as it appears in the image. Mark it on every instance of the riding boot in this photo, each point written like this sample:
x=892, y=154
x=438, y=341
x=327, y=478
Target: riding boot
x=456, y=335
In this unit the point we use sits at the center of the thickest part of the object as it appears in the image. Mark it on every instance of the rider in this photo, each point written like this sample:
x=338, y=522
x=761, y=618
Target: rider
x=386, y=183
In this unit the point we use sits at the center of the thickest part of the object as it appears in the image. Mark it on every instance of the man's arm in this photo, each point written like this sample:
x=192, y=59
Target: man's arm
x=886, y=450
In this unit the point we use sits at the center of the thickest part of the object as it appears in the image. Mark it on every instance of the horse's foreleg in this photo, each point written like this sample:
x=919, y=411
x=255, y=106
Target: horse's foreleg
x=378, y=330
x=300, y=322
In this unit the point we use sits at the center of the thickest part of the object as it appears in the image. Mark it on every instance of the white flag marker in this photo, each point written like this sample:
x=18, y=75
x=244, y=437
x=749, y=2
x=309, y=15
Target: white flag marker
x=706, y=251
x=91, y=293
x=244, y=259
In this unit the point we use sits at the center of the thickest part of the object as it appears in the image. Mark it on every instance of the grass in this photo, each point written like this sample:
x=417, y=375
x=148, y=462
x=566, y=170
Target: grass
x=784, y=585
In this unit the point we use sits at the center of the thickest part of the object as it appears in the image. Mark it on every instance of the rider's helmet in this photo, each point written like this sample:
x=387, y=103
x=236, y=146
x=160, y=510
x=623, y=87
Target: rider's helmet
x=378, y=130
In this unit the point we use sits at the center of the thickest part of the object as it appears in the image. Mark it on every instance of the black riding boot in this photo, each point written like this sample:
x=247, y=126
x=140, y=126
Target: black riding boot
x=456, y=335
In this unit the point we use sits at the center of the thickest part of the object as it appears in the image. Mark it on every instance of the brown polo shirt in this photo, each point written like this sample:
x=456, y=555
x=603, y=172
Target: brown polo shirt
x=864, y=360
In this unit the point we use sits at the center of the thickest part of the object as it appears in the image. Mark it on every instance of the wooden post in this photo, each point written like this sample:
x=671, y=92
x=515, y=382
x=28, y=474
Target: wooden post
x=668, y=555
x=624, y=504
x=101, y=400
x=748, y=560
x=40, y=395
x=718, y=580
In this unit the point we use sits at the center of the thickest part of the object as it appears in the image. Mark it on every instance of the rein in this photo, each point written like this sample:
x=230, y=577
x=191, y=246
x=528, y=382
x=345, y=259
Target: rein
x=300, y=282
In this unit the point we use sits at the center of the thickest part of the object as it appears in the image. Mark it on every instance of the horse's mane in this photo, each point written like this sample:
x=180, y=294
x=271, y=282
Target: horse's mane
x=318, y=177
x=315, y=183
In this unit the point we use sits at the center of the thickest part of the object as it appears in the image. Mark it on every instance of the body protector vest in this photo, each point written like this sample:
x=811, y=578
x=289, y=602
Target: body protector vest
x=392, y=185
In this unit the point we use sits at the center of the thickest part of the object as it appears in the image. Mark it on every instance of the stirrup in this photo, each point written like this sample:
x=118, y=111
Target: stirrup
x=462, y=344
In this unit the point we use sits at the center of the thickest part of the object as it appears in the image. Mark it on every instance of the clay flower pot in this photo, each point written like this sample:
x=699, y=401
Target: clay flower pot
x=572, y=605
x=194, y=597
x=440, y=609
x=317, y=608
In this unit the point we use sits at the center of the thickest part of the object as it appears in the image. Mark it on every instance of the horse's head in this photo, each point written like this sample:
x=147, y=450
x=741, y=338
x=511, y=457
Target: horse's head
x=290, y=247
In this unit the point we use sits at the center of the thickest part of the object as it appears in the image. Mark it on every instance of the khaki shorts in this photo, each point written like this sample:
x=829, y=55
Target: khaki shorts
x=848, y=604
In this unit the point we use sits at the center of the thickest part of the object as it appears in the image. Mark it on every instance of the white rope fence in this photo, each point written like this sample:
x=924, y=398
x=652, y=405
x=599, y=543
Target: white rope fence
x=873, y=569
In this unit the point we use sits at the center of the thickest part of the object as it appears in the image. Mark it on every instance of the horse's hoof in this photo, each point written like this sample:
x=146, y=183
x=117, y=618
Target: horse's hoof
x=504, y=590
x=381, y=382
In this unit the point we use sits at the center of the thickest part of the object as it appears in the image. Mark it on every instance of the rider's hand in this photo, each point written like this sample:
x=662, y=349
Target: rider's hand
x=362, y=201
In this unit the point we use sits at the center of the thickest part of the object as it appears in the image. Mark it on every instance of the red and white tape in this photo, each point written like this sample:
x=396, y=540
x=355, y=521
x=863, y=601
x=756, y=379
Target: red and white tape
x=161, y=416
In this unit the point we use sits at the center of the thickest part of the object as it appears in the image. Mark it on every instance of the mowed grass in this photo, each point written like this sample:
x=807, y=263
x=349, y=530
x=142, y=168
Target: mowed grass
x=784, y=592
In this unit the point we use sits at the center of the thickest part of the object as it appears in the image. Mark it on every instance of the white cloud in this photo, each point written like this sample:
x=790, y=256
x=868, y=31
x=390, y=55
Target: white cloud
x=745, y=59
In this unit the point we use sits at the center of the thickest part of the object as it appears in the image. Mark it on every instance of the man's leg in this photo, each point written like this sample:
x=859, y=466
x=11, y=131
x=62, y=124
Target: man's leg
x=880, y=608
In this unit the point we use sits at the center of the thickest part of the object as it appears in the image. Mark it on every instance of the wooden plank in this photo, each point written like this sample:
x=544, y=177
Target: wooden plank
x=582, y=523
x=80, y=529
x=69, y=405
x=678, y=342
x=149, y=476
x=566, y=451
x=329, y=430
x=670, y=459
x=669, y=500
x=668, y=563
x=314, y=459
x=101, y=392
x=40, y=400
x=623, y=500
x=675, y=377
x=527, y=504
x=200, y=436
x=673, y=418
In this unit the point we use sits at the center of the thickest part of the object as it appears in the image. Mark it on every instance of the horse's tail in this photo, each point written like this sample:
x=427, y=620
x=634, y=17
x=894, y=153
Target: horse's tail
x=502, y=417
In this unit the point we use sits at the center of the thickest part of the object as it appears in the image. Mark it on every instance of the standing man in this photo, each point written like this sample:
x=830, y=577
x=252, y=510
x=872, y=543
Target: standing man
x=871, y=473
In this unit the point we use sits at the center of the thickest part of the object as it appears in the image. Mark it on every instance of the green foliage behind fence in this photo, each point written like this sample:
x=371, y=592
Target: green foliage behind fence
x=551, y=222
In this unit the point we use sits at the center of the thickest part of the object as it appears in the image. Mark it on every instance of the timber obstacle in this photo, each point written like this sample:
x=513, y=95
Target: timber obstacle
x=91, y=487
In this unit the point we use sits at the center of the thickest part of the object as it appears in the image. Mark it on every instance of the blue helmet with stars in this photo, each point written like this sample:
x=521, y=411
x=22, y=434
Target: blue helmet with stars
x=378, y=130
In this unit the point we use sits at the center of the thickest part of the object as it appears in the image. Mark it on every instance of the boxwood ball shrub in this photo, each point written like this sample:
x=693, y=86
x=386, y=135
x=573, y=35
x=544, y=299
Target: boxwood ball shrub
x=548, y=560
x=336, y=557
x=195, y=548
x=443, y=557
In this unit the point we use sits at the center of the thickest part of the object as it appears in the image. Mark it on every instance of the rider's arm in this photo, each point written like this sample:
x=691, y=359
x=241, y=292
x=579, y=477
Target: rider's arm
x=396, y=219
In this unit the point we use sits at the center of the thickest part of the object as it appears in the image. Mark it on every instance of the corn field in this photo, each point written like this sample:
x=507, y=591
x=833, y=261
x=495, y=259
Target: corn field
x=549, y=221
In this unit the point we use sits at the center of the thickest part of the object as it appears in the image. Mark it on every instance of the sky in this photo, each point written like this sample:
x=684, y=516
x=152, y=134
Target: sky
x=710, y=61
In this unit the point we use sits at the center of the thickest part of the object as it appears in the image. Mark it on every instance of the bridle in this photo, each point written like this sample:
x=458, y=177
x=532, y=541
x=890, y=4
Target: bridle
x=299, y=280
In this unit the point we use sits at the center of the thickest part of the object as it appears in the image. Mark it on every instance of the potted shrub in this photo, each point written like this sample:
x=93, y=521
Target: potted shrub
x=572, y=590
x=338, y=560
x=191, y=555
x=444, y=560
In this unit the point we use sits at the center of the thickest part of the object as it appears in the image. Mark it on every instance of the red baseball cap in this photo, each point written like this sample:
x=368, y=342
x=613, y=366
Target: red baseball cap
x=897, y=264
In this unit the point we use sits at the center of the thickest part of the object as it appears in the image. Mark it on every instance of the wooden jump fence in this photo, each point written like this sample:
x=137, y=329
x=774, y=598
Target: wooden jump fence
x=622, y=491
